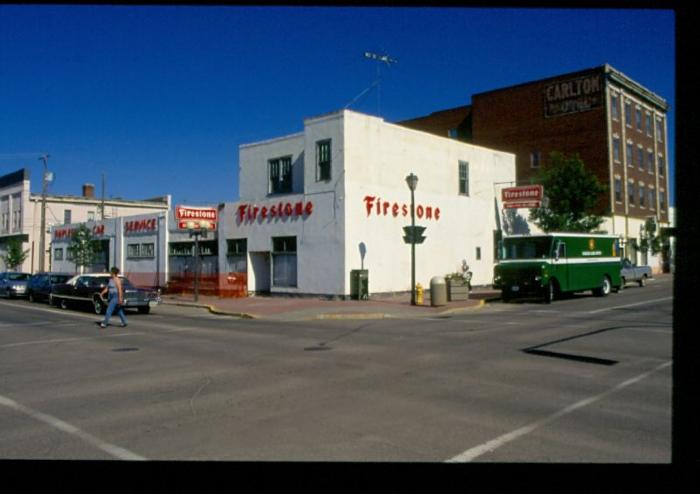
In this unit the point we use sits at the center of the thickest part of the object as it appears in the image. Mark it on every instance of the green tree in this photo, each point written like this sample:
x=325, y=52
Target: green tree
x=571, y=192
x=83, y=248
x=15, y=256
x=651, y=238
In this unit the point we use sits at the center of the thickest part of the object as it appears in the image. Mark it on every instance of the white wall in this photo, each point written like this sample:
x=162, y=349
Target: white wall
x=378, y=157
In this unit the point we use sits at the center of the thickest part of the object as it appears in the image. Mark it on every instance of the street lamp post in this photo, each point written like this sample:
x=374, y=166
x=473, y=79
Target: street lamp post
x=412, y=181
x=42, y=236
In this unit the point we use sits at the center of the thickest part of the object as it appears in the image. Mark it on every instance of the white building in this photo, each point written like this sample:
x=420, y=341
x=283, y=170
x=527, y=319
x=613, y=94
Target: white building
x=318, y=204
x=20, y=215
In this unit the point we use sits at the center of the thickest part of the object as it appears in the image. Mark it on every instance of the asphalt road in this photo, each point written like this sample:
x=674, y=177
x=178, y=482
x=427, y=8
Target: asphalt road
x=585, y=379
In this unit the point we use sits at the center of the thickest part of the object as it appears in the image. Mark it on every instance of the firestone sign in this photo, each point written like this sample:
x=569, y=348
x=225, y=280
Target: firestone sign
x=529, y=196
x=189, y=217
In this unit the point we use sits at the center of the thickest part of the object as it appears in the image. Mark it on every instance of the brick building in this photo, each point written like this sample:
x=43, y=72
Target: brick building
x=617, y=126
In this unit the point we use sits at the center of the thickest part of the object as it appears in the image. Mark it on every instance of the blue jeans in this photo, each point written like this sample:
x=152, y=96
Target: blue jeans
x=112, y=304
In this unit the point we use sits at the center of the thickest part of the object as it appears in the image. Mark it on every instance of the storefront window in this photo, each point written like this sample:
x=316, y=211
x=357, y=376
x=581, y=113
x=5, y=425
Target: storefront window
x=237, y=255
x=284, y=261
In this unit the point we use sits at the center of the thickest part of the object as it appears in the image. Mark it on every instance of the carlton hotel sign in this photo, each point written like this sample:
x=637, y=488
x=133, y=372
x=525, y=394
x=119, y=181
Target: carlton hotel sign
x=573, y=95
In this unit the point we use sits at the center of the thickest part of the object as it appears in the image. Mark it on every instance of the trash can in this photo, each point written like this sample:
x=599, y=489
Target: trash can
x=438, y=291
x=359, y=284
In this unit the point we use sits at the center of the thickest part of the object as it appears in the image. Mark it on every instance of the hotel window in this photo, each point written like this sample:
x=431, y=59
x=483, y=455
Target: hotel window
x=464, y=178
x=650, y=160
x=652, y=198
x=662, y=166
x=648, y=124
x=618, y=189
x=280, y=173
x=616, y=149
x=323, y=160
x=91, y=216
x=630, y=154
x=67, y=216
x=630, y=192
x=642, y=195
x=58, y=254
x=628, y=114
x=284, y=261
x=615, y=106
x=662, y=199
x=452, y=133
x=659, y=130
x=638, y=118
x=640, y=157
x=535, y=159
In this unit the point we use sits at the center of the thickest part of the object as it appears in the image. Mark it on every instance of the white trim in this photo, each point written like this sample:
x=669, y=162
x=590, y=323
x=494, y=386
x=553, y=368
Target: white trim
x=573, y=260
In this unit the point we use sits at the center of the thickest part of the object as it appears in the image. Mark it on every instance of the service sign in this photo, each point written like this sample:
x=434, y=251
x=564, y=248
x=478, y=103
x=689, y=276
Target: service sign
x=195, y=218
x=528, y=196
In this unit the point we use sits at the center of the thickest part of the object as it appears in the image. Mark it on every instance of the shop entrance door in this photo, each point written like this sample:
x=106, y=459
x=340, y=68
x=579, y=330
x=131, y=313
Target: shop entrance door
x=259, y=274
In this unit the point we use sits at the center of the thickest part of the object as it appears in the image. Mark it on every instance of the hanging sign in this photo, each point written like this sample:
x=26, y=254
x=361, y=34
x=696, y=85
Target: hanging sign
x=528, y=196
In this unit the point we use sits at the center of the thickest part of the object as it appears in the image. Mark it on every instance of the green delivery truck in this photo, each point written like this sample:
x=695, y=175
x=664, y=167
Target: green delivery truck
x=550, y=264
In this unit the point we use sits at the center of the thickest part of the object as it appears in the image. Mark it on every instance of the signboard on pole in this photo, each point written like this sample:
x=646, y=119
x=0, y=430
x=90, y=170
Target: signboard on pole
x=189, y=218
x=527, y=196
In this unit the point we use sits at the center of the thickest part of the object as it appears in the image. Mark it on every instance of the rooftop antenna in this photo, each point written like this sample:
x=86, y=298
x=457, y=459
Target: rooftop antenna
x=377, y=82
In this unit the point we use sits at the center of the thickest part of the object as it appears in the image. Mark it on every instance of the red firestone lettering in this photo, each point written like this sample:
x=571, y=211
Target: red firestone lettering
x=299, y=208
x=369, y=201
x=404, y=210
x=263, y=212
x=386, y=207
x=419, y=211
x=395, y=210
x=288, y=209
x=309, y=208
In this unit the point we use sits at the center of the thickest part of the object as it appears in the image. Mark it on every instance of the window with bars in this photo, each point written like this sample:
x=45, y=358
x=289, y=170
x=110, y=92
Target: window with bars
x=323, y=160
x=618, y=189
x=630, y=192
x=615, y=106
x=140, y=251
x=616, y=150
x=280, y=175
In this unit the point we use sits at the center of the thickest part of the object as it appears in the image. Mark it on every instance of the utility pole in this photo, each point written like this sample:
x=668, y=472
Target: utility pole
x=42, y=237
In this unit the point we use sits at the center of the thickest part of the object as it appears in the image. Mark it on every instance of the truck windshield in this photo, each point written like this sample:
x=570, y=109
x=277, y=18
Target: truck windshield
x=526, y=248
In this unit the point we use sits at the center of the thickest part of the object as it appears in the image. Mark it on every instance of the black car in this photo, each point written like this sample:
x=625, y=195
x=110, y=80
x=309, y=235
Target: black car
x=41, y=284
x=84, y=290
x=13, y=284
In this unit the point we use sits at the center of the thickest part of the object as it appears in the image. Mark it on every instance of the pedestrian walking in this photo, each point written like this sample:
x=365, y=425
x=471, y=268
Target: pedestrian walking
x=115, y=300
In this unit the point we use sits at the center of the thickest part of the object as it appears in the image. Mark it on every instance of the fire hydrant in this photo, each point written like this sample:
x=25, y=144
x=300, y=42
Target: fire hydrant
x=419, y=294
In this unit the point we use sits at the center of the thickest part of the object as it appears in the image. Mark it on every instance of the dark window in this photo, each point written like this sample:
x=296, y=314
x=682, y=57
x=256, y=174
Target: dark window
x=284, y=261
x=464, y=178
x=280, y=175
x=323, y=160
x=618, y=189
x=67, y=216
x=237, y=253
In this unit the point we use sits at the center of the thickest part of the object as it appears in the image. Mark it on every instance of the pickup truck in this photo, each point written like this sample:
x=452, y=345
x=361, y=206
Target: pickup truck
x=631, y=273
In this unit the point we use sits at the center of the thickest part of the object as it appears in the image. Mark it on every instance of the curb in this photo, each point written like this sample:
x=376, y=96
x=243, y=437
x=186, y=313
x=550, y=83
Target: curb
x=214, y=310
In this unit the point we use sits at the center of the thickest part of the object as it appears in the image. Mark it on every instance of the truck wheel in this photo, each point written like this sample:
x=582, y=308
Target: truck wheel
x=549, y=292
x=604, y=289
x=643, y=280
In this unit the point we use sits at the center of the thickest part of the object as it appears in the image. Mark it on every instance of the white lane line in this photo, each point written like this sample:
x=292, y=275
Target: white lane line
x=475, y=452
x=65, y=340
x=630, y=305
x=111, y=449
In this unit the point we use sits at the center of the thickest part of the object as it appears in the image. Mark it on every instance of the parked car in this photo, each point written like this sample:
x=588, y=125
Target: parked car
x=631, y=273
x=41, y=284
x=13, y=284
x=84, y=290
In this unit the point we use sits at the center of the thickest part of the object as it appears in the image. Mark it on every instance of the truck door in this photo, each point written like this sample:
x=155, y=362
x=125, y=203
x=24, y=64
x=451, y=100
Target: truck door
x=561, y=266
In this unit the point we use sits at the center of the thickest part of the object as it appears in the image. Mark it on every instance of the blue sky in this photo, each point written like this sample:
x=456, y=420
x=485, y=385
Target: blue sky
x=159, y=98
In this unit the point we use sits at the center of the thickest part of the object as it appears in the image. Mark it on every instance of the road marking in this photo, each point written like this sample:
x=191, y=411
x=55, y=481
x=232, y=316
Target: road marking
x=111, y=449
x=65, y=340
x=487, y=447
x=630, y=305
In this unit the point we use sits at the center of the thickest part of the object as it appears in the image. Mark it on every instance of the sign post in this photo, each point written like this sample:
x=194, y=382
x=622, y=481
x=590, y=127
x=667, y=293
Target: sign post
x=198, y=221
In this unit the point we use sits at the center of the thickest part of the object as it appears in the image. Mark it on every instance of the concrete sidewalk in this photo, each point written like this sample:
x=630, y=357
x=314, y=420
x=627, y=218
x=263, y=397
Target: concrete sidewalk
x=290, y=308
